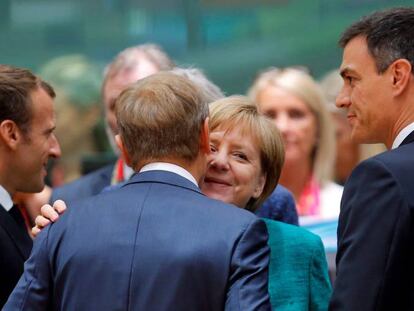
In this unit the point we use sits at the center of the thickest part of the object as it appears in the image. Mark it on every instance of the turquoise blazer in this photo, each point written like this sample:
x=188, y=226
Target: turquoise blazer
x=298, y=271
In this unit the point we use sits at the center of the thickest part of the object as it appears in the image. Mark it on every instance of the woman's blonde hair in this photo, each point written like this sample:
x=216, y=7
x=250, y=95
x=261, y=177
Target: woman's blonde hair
x=300, y=84
x=240, y=111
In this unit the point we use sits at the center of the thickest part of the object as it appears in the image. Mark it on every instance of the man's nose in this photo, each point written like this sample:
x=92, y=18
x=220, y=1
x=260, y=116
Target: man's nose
x=54, y=150
x=343, y=99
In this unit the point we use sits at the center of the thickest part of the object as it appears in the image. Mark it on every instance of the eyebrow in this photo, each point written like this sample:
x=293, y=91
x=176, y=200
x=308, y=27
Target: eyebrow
x=49, y=130
x=345, y=71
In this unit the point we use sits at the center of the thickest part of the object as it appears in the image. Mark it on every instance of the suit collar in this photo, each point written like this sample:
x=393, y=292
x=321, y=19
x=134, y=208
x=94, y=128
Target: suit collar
x=20, y=238
x=164, y=177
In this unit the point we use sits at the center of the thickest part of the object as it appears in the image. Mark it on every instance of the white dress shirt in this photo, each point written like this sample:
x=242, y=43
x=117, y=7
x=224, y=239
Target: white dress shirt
x=169, y=167
x=5, y=199
x=402, y=135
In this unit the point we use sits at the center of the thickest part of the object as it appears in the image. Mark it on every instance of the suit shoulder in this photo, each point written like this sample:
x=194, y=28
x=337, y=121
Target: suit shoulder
x=85, y=186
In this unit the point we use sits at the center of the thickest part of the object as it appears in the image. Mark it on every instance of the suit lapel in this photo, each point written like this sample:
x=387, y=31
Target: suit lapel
x=20, y=238
x=163, y=177
x=408, y=139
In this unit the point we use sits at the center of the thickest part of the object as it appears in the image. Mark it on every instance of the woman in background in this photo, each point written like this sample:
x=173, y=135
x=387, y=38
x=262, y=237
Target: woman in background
x=293, y=100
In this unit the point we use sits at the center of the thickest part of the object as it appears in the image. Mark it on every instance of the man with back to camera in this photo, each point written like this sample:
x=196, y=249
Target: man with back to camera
x=26, y=143
x=158, y=243
x=376, y=229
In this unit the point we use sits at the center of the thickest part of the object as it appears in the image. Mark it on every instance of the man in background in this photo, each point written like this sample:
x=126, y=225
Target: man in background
x=129, y=66
x=27, y=142
x=375, y=256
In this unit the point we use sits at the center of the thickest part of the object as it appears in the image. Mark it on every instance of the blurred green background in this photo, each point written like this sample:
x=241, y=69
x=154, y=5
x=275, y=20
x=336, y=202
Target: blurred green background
x=231, y=40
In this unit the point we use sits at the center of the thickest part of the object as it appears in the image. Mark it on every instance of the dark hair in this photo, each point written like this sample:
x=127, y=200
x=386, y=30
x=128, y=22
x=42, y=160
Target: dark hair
x=16, y=86
x=388, y=33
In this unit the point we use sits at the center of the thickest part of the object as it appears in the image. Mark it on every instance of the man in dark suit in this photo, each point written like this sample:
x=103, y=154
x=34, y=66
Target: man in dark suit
x=129, y=65
x=158, y=243
x=375, y=269
x=26, y=143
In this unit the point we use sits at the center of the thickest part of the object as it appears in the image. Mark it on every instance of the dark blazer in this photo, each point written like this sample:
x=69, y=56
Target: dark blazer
x=280, y=206
x=15, y=246
x=375, y=269
x=157, y=243
x=84, y=187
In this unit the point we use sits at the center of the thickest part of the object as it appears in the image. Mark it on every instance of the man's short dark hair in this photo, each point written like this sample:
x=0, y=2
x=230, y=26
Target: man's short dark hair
x=16, y=86
x=389, y=35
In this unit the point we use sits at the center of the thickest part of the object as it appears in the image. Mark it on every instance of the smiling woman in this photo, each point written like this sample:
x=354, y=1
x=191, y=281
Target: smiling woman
x=244, y=167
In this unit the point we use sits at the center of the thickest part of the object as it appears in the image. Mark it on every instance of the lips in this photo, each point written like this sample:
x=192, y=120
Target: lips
x=216, y=181
x=351, y=117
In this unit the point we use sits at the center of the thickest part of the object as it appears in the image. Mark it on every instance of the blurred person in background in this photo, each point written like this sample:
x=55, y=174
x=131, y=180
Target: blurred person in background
x=348, y=152
x=130, y=65
x=77, y=82
x=293, y=100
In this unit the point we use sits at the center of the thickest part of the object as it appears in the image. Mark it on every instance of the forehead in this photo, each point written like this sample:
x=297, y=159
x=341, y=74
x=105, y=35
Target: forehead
x=277, y=98
x=239, y=130
x=124, y=78
x=356, y=57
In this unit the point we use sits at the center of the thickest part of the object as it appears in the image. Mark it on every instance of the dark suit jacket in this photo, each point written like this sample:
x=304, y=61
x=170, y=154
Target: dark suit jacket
x=375, y=269
x=84, y=187
x=280, y=206
x=157, y=243
x=15, y=246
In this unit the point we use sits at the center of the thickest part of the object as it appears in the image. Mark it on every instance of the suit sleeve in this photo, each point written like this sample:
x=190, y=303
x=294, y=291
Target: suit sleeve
x=32, y=292
x=248, y=284
x=370, y=208
x=320, y=285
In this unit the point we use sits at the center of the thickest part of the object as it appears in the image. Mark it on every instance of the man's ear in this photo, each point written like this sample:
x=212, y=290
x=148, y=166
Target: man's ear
x=401, y=75
x=124, y=152
x=10, y=134
x=205, y=137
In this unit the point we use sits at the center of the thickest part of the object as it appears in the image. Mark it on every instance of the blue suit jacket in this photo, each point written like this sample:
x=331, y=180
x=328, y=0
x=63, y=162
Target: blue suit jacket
x=157, y=243
x=84, y=187
x=280, y=206
x=375, y=269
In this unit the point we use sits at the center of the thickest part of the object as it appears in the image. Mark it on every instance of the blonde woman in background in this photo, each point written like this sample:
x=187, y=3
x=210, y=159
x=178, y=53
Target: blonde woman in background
x=293, y=100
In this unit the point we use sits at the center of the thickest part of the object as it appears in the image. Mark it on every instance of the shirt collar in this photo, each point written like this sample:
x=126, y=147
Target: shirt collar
x=5, y=199
x=169, y=167
x=128, y=171
x=402, y=135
